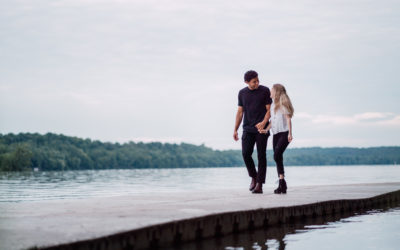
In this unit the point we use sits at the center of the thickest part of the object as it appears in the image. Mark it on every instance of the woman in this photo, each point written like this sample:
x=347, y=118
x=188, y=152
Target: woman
x=281, y=128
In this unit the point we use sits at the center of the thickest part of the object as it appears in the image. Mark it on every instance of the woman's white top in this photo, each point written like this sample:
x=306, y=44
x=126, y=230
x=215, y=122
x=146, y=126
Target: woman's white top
x=278, y=119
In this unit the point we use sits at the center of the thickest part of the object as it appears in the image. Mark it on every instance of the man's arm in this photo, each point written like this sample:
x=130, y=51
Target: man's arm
x=239, y=117
x=261, y=125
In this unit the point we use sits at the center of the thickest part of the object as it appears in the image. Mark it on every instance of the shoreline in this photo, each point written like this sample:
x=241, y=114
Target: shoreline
x=152, y=168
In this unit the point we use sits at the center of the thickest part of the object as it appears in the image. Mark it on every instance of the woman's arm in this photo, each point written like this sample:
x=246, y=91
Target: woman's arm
x=289, y=122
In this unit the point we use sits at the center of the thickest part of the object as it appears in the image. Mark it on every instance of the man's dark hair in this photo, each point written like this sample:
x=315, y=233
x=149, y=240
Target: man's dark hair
x=250, y=75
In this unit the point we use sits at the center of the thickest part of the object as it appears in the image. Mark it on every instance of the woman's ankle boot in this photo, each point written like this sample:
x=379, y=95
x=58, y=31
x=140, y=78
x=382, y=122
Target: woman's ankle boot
x=279, y=189
x=283, y=186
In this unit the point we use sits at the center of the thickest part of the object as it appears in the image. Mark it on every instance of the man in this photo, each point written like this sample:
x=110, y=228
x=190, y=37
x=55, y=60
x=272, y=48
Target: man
x=254, y=104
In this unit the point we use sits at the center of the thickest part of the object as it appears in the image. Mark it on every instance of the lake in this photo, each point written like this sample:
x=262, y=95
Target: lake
x=34, y=186
x=376, y=229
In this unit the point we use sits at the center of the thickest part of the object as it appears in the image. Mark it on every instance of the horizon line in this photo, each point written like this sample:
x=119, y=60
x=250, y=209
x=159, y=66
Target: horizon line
x=182, y=142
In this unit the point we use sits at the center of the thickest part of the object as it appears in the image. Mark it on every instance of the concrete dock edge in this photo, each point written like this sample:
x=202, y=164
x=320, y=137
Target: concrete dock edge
x=219, y=224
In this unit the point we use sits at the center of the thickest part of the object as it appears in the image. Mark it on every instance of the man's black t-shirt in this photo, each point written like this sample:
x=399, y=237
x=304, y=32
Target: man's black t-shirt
x=253, y=103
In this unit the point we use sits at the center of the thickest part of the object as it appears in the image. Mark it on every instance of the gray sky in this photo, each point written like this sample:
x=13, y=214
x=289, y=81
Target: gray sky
x=170, y=71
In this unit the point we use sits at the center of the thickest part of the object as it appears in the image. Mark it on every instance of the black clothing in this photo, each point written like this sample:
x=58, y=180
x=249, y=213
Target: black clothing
x=248, y=141
x=253, y=103
x=280, y=142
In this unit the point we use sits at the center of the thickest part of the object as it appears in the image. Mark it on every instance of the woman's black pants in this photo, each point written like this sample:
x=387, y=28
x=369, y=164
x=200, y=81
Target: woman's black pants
x=280, y=142
x=248, y=141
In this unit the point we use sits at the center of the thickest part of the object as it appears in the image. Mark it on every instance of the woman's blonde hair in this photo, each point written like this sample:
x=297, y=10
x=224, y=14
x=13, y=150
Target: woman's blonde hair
x=282, y=99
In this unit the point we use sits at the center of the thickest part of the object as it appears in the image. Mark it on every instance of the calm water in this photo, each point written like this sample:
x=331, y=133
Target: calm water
x=372, y=230
x=33, y=186
x=375, y=229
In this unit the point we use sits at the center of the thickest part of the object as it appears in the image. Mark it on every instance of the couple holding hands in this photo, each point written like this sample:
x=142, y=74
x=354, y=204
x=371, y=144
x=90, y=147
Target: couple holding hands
x=263, y=111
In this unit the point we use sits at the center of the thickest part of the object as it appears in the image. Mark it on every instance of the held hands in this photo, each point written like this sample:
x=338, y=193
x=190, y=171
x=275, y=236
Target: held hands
x=262, y=131
x=260, y=125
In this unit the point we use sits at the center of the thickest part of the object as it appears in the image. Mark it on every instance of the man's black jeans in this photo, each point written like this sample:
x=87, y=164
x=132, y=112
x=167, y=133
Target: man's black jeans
x=248, y=141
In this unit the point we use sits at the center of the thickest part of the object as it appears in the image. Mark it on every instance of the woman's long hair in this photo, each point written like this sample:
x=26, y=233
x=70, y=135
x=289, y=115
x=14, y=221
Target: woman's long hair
x=282, y=99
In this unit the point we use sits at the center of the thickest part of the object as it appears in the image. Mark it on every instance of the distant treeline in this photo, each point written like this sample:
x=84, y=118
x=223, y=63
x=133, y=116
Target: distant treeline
x=26, y=151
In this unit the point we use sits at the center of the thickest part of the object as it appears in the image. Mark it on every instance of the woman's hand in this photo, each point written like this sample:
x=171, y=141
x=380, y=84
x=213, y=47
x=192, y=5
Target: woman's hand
x=290, y=137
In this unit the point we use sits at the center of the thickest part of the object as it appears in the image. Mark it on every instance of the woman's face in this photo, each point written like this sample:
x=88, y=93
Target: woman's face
x=272, y=93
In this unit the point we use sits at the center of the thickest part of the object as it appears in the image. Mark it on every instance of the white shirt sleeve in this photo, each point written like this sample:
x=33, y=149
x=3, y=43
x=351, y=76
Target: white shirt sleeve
x=284, y=110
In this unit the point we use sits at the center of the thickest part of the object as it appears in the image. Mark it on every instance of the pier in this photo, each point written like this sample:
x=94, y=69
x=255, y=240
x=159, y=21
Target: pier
x=145, y=221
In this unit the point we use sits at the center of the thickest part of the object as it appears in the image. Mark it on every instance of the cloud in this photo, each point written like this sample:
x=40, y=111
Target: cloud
x=372, y=115
x=366, y=118
x=395, y=121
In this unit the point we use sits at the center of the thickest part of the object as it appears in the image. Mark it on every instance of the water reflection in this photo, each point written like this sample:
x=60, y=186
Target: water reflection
x=299, y=234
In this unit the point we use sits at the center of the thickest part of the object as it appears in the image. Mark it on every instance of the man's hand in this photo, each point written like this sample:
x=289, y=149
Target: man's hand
x=290, y=138
x=235, y=136
x=260, y=125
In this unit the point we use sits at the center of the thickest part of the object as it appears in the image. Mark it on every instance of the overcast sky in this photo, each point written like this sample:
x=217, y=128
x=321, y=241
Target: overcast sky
x=170, y=71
